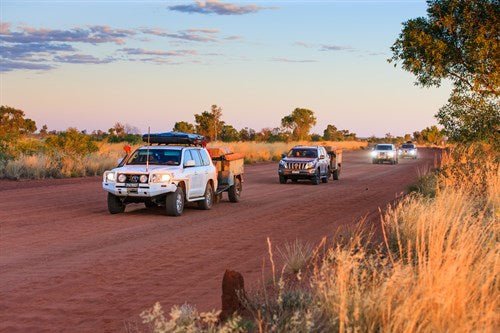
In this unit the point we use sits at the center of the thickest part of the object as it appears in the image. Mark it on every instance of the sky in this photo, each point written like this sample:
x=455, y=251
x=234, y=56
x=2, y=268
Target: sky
x=89, y=64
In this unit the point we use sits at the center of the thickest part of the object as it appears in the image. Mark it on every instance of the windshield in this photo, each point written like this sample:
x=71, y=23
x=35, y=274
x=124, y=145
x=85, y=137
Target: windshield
x=408, y=146
x=156, y=157
x=303, y=152
x=383, y=147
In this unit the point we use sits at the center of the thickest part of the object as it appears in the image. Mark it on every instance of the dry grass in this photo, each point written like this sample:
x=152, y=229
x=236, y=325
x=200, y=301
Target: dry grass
x=436, y=270
x=60, y=165
x=265, y=152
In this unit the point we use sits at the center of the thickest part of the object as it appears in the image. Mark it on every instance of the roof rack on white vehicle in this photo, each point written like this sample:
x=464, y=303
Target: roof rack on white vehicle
x=175, y=138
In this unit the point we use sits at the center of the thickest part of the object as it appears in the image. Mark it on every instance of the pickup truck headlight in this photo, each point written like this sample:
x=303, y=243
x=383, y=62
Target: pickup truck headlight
x=390, y=154
x=161, y=178
x=109, y=176
x=143, y=179
x=309, y=165
x=282, y=164
x=374, y=153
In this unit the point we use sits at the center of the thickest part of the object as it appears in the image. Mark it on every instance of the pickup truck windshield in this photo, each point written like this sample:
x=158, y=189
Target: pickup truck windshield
x=156, y=157
x=383, y=147
x=303, y=152
x=408, y=146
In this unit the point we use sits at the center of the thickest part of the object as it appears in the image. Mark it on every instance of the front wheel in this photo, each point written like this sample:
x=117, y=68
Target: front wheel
x=234, y=192
x=115, y=205
x=174, y=203
x=374, y=161
x=317, y=178
x=282, y=180
x=208, y=200
x=336, y=173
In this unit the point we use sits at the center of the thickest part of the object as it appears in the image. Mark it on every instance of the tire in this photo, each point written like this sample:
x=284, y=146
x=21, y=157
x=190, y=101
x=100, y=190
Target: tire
x=295, y=180
x=208, y=200
x=374, y=161
x=234, y=192
x=150, y=204
x=283, y=180
x=317, y=178
x=324, y=180
x=115, y=205
x=336, y=174
x=174, y=203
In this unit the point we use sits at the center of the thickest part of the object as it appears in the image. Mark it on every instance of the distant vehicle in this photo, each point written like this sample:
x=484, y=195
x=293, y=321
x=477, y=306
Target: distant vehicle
x=178, y=169
x=408, y=150
x=314, y=163
x=385, y=152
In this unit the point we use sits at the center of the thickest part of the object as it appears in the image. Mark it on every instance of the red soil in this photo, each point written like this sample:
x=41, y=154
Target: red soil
x=67, y=265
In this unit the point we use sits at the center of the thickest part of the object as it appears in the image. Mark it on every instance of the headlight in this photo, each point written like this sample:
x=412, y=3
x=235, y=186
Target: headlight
x=374, y=153
x=109, y=176
x=143, y=179
x=122, y=178
x=161, y=178
x=413, y=152
x=282, y=164
x=309, y=165
x=390, y=154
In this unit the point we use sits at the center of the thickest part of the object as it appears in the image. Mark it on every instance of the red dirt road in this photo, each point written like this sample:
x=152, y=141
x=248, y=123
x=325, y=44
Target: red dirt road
x=67, y=265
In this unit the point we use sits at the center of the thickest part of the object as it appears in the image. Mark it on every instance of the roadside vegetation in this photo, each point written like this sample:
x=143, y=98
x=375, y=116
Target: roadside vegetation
x=431, y=266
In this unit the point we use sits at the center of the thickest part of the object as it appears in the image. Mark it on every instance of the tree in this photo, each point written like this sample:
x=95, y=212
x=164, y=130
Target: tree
x=208, y=123
x=44, y=130
x=13, y=125
x=247, y=134
x=407, y=137
x=300, y=122
x=432, y=135
x=229, y=134
x=118, y=130
x=471, y=118
x=72, y=142
x=184, y=126
x=458, y=41
x=331, y=133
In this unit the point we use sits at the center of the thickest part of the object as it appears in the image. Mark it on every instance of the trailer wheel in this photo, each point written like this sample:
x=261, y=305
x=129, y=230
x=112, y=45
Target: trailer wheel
x=234, y=192
x=174, y=203
x=336, y=173
x=115, y=205
x=208, y=201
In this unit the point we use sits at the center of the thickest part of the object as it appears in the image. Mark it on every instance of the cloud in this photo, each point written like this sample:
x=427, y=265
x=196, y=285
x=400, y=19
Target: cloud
x=8, y=65
x=17, y=51
x=82, y=59
x=303, y=44
x=234, y=37
x=194, y=35
x=175, y=53
x=94, y=35
x=218, y=8
x=293, y=60
x=326, y=47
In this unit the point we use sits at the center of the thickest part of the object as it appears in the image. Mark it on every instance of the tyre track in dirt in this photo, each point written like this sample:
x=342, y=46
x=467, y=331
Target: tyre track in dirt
x=67, y=265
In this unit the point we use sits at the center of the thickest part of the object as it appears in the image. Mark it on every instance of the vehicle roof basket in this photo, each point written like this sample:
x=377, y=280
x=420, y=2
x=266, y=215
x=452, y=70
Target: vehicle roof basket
x=175, y=138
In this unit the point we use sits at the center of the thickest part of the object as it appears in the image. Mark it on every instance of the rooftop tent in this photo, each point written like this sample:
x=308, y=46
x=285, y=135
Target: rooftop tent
x=175, y=138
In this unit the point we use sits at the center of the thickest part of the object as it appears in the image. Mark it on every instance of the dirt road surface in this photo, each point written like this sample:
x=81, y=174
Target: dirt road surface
x=66, y=265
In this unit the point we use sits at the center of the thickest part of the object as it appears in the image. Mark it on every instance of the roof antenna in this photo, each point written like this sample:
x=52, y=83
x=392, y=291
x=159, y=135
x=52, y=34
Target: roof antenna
x=147, y=155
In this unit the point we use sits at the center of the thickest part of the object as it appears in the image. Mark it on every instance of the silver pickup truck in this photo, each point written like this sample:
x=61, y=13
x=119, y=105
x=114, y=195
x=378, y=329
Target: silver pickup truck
x=315, y=163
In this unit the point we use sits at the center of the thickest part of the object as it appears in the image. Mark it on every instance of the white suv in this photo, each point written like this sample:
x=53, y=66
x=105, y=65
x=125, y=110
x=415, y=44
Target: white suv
x=162, y=175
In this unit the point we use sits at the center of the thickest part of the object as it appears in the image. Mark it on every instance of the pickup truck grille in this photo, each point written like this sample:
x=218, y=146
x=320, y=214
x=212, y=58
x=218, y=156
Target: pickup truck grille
x=133, y=179
x=296, y=165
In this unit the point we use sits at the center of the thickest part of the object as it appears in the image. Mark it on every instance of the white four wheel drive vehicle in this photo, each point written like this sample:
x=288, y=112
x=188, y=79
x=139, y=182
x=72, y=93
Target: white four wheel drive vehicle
x=176, y=170
x=385, y=152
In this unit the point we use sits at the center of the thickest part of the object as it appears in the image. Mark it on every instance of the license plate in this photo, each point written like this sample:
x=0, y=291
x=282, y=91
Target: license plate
x=131, y=185
x=132, y=190
x=295, y=171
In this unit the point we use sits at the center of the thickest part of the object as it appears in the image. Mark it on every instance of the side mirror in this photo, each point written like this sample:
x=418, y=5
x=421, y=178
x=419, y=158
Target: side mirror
x=283, y=155
x=189, y=164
